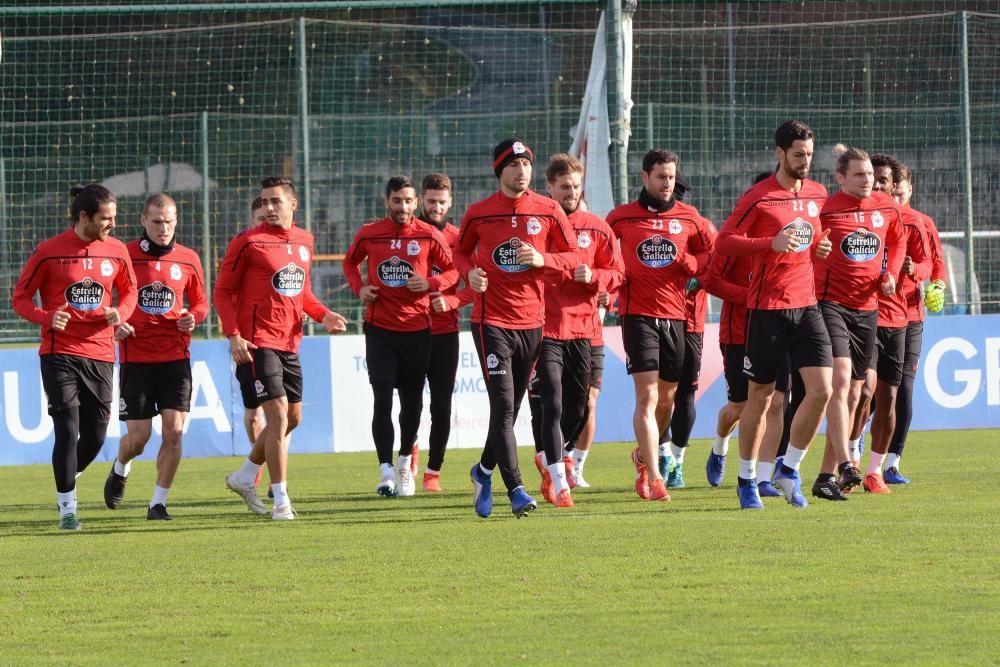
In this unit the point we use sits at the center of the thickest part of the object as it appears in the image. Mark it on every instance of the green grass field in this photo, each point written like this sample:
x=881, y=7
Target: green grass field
x=909, y=578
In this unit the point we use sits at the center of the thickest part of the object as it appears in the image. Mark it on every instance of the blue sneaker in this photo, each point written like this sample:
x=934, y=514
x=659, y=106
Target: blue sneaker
x=791, y=484
x=778, y=462
x=675, y=478
x=893, y=476
x=667, y=463
x=482, y=494
x=521, y=504
x=715, y=468
x=746, y=489
x=766, y=490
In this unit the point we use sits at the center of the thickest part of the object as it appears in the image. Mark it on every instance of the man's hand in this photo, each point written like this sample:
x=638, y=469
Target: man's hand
x=824, y=246
x=368, y=293
x=124, y=330
x=528, y=256
x=185, y=322
x=334, y=323
x=240, y=349
x=61, y=317
x=477, y=280
x=111, y=316
x=603, y=299
x=785, y=241
x=908, y=266
x=418, y=284
x=888, y=284
x=583, y=274
x=934, y=296
x=438, y=303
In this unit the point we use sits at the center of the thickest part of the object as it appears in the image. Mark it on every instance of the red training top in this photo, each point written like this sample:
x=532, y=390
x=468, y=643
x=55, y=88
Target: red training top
x=933, y=267
x=729, y=279
x=446, y=322
x=696, y=302
x=893, y=311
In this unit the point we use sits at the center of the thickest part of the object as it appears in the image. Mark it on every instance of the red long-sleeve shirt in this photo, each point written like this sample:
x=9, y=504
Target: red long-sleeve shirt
x=863, y=231
x=893, y=311
x=65, y=269
x=446, y=322
x=163, y=282
x=696, y=302
x=395, y=253
x=662, y=250
x=491, y=233
x=571, y=306
x=729, y=279
x=778, y=280
x=932, y=267
x=264, y=287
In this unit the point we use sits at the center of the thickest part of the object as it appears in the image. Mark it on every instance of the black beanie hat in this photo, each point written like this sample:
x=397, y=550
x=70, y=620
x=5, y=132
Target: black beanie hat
x=507, y=150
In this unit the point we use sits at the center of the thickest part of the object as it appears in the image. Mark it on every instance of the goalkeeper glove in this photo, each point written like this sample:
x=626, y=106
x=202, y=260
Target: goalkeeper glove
x=934, y=296
x=693, y=284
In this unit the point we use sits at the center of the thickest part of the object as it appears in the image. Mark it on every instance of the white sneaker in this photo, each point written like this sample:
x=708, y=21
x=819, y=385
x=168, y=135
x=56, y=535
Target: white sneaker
x=387, y=488
x=404, y=480
x=283, y=512
x=581, y=482
x=248, y=492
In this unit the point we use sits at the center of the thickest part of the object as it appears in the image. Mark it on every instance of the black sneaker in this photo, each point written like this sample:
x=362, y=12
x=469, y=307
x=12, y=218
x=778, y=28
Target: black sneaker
x=827, y=489
x=158, y=513
x=114, y=489
x=850, y=478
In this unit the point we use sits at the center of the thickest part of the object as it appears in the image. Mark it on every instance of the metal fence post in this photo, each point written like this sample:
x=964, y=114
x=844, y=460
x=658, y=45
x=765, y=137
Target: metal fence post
x=970, y=264
x=206, y=244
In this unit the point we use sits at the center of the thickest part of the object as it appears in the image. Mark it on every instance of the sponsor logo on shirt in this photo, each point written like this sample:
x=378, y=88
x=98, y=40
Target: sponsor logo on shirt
x=289, y=280
x=394, y=272
x=144, y=245
x=674, y=226
x=175, y=272
x=85, y=294
x=436, y=271
x=861, y=245
x=583, y=239
x=106, y=268
x=303, y=253
x=505, y=256
x=656, y=252
x=803, y=233
x=812, y=209
x=413, y=248
x=156, y=299
x=534, y=226
x=877, y=220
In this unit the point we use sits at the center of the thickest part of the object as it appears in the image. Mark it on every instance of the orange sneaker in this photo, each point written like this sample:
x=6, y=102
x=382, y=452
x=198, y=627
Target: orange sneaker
x=657, y=491
x=564, y=499
x=570, y=471
x=432, y=482
x=260, y=474
x=874, y=483
x=641, y=477
x=547, y=491
x=415, y=460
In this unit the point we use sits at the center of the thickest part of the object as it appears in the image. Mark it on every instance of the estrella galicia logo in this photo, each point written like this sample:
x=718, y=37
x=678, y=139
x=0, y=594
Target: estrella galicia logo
x=861, y=245
x=394, y=272
x=289, y=280
x=505, y=256
x=803, y=233
x=656, y=252
x=85, y=294
x=156, y=299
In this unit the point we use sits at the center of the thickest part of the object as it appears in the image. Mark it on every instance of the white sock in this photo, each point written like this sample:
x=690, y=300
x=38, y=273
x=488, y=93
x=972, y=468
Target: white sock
x=568, y=453
x=678, y=453
x=665, y=448
x=248, y=472
x=485, y=470
x=431, y=472
x=892, y=461
x=159, y=496
x=388, y=472
x=403, y=462
x=579, y=456
x=67, y=502
x=747, y=468
x=764, y=471
x=122, y=470
x=558, y=473
x=721, y=445
x=854, y=446
x=793, y=457
x=875, y=463
x=280, y=493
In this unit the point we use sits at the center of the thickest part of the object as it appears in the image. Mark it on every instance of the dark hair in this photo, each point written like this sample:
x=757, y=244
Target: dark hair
x=560, y=164
x=657, y=156
x=278, y=182
x=845, y=156
x=791, y=131
x=89, y=199
x=761, y=176
x=160, y=200
x=397, y=183
x=256, y=204
x=905, y=173
x=436, y=182
x=886, y=160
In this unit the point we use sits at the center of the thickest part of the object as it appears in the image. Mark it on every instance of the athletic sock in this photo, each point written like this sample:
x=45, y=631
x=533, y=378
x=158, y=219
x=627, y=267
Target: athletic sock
x=875, y=463
x=825, y=477
x=721, y=445
x=892, y=461
x=793, y=457
x=67, y=502
x=557, y=471
x=404, y=461
x=387, y=471
x=579, y=456
x=665, y=448
x=854, y=446
x=486, y=471
x=747, y=469
x=122, y=470
x=280, y=493
x=678, y=453
x=248, y=472
x=428, y=472
x=764, y=471
x=159, y=495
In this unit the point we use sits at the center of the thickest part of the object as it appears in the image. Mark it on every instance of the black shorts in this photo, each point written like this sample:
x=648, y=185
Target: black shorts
x=737, y=388
x=397, y=358
x=890, y=346
x=783, y=381
x=272, y=374
x=596, y=366
x=145, y=390
x=694, y=343
x=914, y=341
x=653, y=344
x=799, y=333
x=72, y=382
x=852, y=334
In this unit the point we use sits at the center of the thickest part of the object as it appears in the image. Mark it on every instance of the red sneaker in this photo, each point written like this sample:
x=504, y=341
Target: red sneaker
x=570, y=471
x=657, y=491
x=415, y=461
x=641, y=477
x=547, y=491
x=564, y=499
x=874, y=483
x=432, y=482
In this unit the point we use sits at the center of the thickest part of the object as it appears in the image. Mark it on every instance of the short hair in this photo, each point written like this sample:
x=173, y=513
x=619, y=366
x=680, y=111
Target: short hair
x=886, y=160
x=762, y=176
x=905, y=173
x=159, y=200
x=845, y=156
x=278, y=182
x=256, y=205
x=89, y=199
x=397, y=183
x=657, y=156
x=435, y=182
x=791, y=131
x=560, y=164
